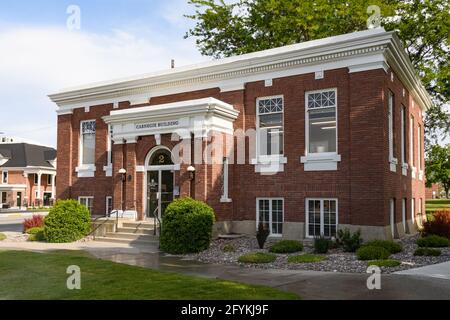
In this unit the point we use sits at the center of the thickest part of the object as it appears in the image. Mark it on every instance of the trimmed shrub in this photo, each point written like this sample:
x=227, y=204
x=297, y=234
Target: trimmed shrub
x=390, y=246
x=427, y=252
x=306, y=258
x=2, y=237
x=257, y=257
x=433, y=242
x=36, y=234
x=439, y=225
x=384, y=263
x=286, y=246
x=67, y=221
x=321, y=245
x=372, y=253
x=350, y=242
x=37, y=221
x=187, y=226
x=228, y=248
x=261, y=235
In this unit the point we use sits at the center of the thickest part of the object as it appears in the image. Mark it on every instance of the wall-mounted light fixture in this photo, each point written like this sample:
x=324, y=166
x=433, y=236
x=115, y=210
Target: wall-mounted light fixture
x=123, y=173
x=191, y=171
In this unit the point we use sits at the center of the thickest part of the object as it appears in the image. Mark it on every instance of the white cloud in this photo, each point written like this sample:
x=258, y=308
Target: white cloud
x=36, y=61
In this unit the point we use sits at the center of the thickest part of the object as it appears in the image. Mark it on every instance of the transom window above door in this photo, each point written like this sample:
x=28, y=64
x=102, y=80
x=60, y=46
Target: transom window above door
x=161, y=157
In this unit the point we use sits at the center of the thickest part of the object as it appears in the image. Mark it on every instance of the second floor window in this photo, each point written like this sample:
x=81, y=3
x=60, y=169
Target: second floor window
x=88, y=142
x=270, y=126
x=411, y=141
x=419, y=147
x=391, y=125
x=403, y=136
x=321, y=112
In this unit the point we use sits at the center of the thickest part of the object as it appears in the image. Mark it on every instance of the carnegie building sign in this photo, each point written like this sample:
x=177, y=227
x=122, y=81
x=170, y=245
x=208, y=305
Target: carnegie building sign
x=156, y=125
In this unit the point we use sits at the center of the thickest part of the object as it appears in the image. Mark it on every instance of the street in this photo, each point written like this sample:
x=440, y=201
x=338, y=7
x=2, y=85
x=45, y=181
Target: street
x=14, y=222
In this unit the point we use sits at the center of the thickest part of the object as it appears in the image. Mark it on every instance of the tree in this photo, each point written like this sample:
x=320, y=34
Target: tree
x=224, y=29
x=437, y=166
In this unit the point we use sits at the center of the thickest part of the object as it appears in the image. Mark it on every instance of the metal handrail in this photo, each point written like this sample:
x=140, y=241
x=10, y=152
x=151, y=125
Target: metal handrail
x=108, y=215
x=156, y=217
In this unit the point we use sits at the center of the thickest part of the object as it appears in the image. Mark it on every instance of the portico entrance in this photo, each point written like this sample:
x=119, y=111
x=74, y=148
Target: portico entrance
x=160, y=182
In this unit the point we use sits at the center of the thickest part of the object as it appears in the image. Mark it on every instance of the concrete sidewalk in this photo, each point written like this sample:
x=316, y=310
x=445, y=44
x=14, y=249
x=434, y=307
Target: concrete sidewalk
x=439, y=271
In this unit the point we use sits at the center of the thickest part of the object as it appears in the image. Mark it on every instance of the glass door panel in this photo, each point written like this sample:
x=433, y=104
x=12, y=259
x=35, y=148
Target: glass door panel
x=152, y=193
x=166, y=189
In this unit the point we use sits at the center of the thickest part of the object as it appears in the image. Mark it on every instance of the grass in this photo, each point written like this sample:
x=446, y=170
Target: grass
x=384, y=263
x=2, y=236
x=431, y=206
x=306, y=258
x=42, y=276
x=257, y=257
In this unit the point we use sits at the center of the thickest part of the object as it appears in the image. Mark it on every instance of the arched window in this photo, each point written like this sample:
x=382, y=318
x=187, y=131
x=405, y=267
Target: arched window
x=161, y=157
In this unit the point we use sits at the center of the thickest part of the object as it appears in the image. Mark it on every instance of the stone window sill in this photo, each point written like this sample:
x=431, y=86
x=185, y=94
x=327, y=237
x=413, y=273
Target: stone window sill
x=269, y=164
x=225, y=200
x=86, y=171
x=393, y=164
x=405, y=169
x=108, y=170
x=321, y=162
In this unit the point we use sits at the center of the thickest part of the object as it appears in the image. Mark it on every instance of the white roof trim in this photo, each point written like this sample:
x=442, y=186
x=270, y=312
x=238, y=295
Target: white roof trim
x=334, y=52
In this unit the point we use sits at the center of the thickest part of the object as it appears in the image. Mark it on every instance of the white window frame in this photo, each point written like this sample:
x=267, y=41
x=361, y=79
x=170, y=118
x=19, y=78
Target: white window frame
x=36, y=179
x=403, y=140
x=411, y=147
x=392, y=216
x=225, y=196
x=325, y=161
x=391, y=133
x=85, y=170
x=112, y=204
x=419, y=152
x=404, y=207
x=322, y=229
x=1, y=197
x=5, y=177
x=87, y=198
x=49, y=180
x=109, y=154
x=275, y=235
x=413, y=208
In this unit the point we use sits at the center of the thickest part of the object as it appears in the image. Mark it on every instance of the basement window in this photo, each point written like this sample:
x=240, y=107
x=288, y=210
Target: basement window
x=270, y=212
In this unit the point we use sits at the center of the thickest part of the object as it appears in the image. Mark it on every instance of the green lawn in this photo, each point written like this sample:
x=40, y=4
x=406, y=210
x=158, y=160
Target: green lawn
x=39, y=276
x=431, y=206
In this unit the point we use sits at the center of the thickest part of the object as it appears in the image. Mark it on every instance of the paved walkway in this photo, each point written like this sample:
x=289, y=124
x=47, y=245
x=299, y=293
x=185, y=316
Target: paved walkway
x=307, y=284
x=440, y=271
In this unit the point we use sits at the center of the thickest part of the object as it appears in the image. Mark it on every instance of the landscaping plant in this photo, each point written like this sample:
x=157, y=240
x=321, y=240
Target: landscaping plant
x=228, y=248
x=390, y=246
x=287, y=246
x=2, y=237
x=439, y=225
x=67, y=221
x=372, y=253
x=187, y=226
x=36, y=234
x=384, y=263
x=37, y=221
x=306, y=258
x=433, y=241
x=427, y=252
x=261, y=235
x=257, y=257
x=321, y=245
x=350, y=242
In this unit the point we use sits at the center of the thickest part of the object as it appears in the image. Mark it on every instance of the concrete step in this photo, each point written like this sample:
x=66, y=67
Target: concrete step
x=131, y=236
x=138, y=225
x=126, y=241
x=149, y=231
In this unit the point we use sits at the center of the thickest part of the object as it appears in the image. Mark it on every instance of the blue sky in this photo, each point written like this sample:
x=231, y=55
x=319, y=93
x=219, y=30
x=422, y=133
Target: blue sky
x=117, y=38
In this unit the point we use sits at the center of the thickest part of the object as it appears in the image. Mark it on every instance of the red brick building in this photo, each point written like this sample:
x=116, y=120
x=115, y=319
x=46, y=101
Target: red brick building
x=306, y=138
x=28, y=174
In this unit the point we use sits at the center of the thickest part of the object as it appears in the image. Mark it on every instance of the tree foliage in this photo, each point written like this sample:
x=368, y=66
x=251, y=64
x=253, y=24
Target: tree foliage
x=225, y=29
x=437, y=166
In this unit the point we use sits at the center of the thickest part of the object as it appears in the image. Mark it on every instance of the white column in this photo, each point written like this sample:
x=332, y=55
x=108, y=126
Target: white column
x=53, y=186
x=39, y=185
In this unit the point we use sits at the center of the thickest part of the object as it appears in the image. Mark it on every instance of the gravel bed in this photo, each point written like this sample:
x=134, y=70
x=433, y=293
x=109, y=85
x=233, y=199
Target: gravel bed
x=336, y=259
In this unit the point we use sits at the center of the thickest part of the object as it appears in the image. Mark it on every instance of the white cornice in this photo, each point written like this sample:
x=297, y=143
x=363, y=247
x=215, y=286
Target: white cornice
x=374, y=47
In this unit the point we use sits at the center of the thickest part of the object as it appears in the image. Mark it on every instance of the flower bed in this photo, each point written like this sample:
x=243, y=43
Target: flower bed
x=336, y=259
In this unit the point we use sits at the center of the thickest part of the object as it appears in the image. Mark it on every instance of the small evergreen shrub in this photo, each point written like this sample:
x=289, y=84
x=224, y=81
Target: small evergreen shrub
x=287, y=246
x=257, y=257
x=261, y=235
x=228, y=248
x=187, y=226
x=439, y=225
x=433, y=241
x=390, y=246
x=321, y=245
x=2, y=237
x=67, y=221
x=36, y=234
x=427, y=252
x=384, y=263
x=306, y=258
x=37, y=221
x=350, y=242
x=372, y=253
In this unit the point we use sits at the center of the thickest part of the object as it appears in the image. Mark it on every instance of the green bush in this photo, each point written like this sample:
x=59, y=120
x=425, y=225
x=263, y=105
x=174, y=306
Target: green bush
x=385, y=263
x=67, y=221
x=350, y=242
x=390, y=246
x=261, y=235
x=286, y=246
x=36, y=234
x=228, y=248
x=427, y=252
x=433, y=242
x=187, y=226
x=2, y=237
x=321, y=245
x=372, y=253
x=306, y=258
x=257, y=257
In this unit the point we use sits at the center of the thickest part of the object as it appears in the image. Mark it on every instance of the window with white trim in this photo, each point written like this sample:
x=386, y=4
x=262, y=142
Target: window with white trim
x=88, y=202
x=5, y=176
x=403, y=135
x=270, y=131
x=404, y=204
x=270, y=212
x=49, y=180
x=87, y=142
x=391, y=130
x=224, y=177
x=109, y=204
x=413, y=213
x=419, y=148
x=321, y=123
x=321, y=217
x=411, y=141
x=36, y=179
x=109, y=145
